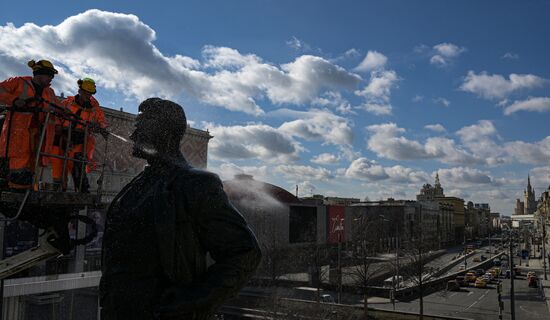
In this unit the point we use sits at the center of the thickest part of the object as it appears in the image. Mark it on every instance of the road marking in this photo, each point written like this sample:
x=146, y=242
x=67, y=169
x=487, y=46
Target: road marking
x=479, y=299
x=470, y=293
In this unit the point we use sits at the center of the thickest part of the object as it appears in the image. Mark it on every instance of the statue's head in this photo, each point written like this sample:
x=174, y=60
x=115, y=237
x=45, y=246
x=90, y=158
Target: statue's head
x=159, y=128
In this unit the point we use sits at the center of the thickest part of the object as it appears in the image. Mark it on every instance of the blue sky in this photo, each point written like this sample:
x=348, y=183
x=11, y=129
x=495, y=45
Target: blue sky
x=344, y=98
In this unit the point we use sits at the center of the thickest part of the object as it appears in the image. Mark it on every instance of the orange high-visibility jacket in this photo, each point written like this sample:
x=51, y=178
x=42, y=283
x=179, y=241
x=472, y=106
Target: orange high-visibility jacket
x=25, y=124
x=92, y=115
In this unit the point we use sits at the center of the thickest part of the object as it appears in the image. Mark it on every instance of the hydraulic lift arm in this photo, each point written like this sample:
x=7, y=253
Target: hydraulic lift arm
x=26, y=259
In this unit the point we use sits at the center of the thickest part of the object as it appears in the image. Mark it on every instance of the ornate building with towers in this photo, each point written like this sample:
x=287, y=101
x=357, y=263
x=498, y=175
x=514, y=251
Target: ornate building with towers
x=529, y=205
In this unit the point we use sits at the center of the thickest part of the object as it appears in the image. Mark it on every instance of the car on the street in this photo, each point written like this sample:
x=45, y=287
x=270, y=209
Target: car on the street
x=477, y=259
x=483, y=258
x=497, y=263
x=453, y=285
x=470, y=276
x=480, y=283
x=462, y=281
x=489, y=276
x=479, y=272
x=461, y=267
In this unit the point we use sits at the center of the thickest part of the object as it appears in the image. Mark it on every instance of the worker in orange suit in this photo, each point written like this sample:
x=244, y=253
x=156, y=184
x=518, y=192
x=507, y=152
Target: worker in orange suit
x=86, y=110
x=26, y=99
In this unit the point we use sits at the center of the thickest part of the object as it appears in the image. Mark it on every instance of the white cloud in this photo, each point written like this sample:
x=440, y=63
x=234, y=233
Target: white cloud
x=377, y=109
x=374, y=60
x=380, y=85
x=377, y=93
x=435, y=127
x=464, y=177
x=442, y=101
x=387, y=141
x=445, y=53
x=540, y=176
x=301, y=173
x=510, y=56
x=417, y=98
x=118, y=51
x=365, y=169
x=529, y=152
x=334, y=99
x=538, y=104
x=318, y=124
x=252, y=141
x=496, y=86
x=326, y=159
x=298, y=45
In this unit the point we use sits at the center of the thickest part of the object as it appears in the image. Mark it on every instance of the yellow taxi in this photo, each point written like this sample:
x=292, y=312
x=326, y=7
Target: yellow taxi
x=477, y=259
x=480, y=283
x=470, y=277
x=495, y=272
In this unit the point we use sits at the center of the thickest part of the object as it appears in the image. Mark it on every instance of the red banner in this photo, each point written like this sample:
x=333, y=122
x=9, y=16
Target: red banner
x=336, y=216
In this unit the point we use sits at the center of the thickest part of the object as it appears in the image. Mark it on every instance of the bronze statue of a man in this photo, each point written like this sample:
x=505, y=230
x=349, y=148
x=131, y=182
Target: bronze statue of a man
x=162, y=224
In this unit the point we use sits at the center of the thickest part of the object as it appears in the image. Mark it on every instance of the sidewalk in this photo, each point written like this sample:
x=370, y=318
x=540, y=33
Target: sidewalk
x=536, y=265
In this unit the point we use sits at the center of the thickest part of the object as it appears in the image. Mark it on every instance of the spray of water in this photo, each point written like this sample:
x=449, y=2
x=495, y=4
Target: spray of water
x=119, y=137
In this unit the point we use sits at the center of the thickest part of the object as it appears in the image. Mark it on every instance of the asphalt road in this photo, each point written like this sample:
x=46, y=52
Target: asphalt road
x=477, y=303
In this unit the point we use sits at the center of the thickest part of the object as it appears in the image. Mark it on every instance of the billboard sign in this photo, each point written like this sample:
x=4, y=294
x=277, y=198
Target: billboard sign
x=336, y=218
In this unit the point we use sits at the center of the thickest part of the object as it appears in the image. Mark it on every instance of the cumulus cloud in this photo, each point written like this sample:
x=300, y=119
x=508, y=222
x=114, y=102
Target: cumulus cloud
x=461, y=176
x=377, y=109
x=317, y=124
x=387, y=141
x=417, y=98
x=298, y=45
x=495, y=86
x=510, y=56
x=538, y=104
x=378, y=92
x=365, y=169
x=301, y=173
x=372, y=61
x=540, y=176
x=444, y=53
x=482, y=140
x=537, y=152
x=334, y=100
x=118, y=51
x=479, y=138
x=325, y=158
x=252, y=141
x=435, y=127
x=442, y=101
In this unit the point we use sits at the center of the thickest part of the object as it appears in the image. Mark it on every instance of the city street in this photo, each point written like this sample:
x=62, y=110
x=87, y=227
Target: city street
x=477, y=303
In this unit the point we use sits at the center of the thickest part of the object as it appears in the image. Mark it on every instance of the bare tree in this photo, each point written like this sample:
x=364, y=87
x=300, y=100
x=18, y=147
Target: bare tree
x=417, y=254
x=365, y=239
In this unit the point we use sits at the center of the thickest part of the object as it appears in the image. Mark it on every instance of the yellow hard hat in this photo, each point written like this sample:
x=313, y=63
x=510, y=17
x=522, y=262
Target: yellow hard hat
x=87, y=84
x=42, y=67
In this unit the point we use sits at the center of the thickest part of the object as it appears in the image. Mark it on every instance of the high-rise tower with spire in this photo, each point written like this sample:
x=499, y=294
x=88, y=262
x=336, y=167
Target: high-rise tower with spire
x=529, y=203
x=530, y=200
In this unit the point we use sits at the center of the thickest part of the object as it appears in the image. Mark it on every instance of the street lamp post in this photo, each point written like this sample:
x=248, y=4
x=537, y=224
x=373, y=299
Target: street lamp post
x=511, y=265
x=396, y=277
